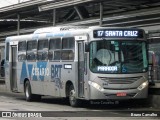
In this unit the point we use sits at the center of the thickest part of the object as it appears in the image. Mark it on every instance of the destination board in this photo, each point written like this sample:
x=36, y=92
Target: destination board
x=120, y=33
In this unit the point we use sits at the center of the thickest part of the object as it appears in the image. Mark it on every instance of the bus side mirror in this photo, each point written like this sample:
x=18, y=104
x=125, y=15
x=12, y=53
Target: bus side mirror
x=86, y=47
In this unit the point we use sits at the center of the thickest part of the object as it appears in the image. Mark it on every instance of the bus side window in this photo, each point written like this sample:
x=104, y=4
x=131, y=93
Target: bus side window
x=54, y=49
x=68, y=45
x=32, y=50
x=21, y=57
x=50, y=55
x=31, y=56
x=22, y=51
x=67, y=55
x=57, y=55
x=42, y=54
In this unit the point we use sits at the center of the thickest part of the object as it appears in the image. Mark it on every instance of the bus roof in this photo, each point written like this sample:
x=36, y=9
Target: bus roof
x=58, y=29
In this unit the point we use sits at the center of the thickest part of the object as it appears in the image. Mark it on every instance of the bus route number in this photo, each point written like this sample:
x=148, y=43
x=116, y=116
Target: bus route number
x=100, y=33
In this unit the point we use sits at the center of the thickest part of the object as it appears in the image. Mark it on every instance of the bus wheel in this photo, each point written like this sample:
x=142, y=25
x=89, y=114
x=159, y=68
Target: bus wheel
x=27, y=90
x=74, y=102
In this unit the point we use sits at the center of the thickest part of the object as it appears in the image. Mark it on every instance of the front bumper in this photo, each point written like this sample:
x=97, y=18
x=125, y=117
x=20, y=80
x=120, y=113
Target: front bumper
x=112, y=94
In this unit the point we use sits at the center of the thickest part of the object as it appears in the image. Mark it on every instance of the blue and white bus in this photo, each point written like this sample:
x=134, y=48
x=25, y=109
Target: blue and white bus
x=79, y=63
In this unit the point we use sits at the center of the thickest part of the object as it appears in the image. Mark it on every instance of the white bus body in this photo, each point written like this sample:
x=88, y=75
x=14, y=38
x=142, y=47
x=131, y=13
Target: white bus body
x=66, y=62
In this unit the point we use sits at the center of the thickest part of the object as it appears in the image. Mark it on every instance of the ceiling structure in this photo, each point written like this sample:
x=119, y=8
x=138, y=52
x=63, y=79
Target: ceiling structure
x=40, y=13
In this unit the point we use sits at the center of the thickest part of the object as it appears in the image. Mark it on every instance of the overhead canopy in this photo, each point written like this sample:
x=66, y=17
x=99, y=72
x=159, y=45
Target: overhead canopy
x=39, y=13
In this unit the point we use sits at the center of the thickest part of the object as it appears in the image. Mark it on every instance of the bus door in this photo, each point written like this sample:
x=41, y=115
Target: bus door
x=13, y=68
x=81, y=69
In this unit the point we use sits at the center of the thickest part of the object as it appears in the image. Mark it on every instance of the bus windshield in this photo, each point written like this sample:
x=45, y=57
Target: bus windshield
x=114, y=56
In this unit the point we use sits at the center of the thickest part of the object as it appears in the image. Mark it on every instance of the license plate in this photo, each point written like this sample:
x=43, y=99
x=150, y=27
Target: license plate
x=121, y=94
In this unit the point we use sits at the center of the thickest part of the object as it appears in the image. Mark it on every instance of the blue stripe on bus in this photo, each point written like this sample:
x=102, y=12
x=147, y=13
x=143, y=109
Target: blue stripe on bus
x=49, y=35
x=30, y=66
x=34, y=78
x=58, y=35
x=42, y=69
x=35, y=36
x=54, y=35
x=39, y=71
x=23, y=73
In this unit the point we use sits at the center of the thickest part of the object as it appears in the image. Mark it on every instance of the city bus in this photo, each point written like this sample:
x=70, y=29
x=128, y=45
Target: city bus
x=78, y=63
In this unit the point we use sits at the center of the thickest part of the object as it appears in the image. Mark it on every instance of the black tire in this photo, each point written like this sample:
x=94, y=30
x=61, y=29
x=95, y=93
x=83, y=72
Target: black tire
x=74, y=102
x=28, y=93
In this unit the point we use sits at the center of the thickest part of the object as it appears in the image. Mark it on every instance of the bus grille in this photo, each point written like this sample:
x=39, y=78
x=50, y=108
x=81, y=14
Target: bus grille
x=128, y=80
x=119, y=88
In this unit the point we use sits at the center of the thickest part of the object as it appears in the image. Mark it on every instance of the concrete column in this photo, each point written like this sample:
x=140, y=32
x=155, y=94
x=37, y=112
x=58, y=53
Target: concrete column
x=18, y=24
x=101, y=14
x=54, y=17
x=18, y=21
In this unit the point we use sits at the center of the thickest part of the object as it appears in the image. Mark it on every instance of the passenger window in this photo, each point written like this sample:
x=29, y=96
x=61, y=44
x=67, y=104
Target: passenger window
x=42, y=56
x=54, y=49
x=22, y=51
x=42, y=50
x=32, y=50
x=42, y=44
x=31, y=56
x=22, y=46
x=61, y=49
x=50, y=55
x=68, y=45
x=57, y=55
x=21, y=57
x=31, y=45
x=55, y=44
x=67, y=55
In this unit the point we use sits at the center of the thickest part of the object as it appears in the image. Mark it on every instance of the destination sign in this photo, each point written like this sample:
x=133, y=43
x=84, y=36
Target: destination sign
x=114, y=33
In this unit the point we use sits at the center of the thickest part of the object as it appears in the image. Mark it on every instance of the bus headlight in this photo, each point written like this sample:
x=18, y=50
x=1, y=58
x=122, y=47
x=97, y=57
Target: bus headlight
x=95, y=85
x=143, y=85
